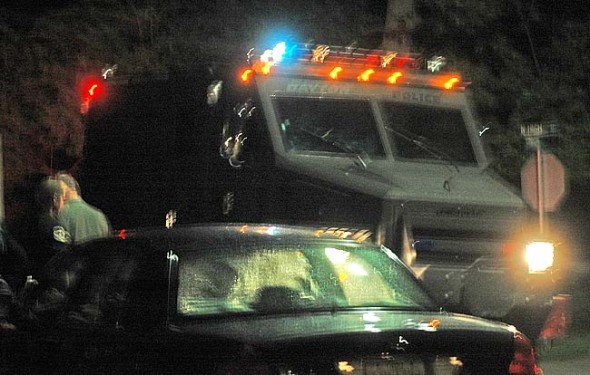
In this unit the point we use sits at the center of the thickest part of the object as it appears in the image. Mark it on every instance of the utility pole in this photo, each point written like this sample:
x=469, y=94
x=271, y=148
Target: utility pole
x=400, y=21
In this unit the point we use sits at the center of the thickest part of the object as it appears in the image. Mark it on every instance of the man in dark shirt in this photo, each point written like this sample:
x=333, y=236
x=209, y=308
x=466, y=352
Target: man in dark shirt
x=81, y=220
x=52, y=234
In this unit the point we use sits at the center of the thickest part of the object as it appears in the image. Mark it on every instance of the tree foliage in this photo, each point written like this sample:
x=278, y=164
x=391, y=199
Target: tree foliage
x=526, y=63
x=36, y=110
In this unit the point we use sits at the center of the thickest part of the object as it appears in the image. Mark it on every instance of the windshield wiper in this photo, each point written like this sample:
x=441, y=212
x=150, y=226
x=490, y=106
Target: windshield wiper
x=432, y=150
x=342, y=147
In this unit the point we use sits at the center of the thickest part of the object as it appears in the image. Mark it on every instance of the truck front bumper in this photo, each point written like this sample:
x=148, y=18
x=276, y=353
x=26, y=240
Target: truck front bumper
x=496, y=291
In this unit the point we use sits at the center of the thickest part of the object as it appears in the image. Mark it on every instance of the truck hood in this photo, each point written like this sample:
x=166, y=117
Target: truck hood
x=408, y=181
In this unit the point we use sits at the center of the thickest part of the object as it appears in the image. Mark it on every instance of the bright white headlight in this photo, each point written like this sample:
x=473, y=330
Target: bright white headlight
x=539, y=256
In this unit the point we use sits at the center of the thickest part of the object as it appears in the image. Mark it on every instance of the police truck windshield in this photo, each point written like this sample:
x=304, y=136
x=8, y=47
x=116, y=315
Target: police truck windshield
x=424, y=133
x=414, y=132
x=329, y=125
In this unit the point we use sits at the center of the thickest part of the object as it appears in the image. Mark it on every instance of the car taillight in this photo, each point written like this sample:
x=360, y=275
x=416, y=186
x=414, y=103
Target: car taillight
x=559, y=318
x=524, y=361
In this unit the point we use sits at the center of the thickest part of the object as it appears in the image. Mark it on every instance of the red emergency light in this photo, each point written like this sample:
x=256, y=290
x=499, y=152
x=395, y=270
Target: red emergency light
x=93, y=88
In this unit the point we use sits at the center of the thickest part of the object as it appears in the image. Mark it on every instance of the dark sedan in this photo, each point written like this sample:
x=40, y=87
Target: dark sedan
x=248, y=299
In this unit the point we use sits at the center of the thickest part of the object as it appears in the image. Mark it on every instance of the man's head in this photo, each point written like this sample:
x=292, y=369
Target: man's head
x=69, y=185
x=51, y=195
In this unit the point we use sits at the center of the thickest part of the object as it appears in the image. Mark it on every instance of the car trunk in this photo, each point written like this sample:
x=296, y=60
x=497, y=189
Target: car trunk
x=360, y=342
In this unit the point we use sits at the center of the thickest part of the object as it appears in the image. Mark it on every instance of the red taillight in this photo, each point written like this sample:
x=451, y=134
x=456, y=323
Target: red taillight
x=122, y=234
x=524, y=361
x=559, y=318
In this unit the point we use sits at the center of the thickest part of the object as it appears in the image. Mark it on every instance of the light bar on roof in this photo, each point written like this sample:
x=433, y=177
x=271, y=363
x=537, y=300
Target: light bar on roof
x=345, y=63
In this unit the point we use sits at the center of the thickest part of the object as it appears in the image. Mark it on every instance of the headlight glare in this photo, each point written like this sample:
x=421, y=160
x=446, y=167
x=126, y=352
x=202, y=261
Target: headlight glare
x=539, y=256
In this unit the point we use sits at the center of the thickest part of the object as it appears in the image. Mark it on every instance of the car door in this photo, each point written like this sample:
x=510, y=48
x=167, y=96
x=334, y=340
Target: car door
x=116, y=314
x=98, y=310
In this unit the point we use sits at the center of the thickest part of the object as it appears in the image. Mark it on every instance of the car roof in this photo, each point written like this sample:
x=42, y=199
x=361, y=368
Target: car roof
x=242, y=231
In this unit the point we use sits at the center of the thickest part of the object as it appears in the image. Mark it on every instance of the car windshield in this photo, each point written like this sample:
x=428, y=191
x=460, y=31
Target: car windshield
x=427, y=133
x=278, y=277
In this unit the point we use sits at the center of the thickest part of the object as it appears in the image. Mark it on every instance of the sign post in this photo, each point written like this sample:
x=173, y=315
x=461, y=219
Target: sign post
x=542, y=176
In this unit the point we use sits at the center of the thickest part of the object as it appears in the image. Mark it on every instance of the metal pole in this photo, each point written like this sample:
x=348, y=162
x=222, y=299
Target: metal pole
x=540, y=192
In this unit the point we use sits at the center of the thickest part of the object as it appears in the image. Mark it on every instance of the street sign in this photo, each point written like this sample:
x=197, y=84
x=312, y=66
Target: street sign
x=553, y=181
x=539, y=130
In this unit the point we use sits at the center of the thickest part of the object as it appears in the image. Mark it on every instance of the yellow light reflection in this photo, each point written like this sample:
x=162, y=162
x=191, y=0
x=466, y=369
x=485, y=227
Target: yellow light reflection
x=371, y=317
x=344, y=366
x=357, y=269
x=454, y=361
x=342, y=276
x=336, y=256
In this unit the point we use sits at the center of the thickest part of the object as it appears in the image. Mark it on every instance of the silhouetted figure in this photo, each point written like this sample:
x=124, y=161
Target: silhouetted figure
x=82, y=221
x=53, y=237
